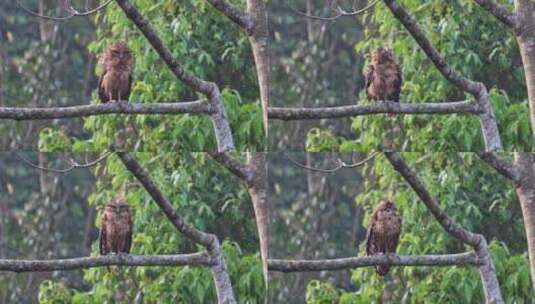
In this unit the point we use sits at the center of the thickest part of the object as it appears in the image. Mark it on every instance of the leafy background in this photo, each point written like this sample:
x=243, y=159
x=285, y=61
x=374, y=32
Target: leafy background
x=321, y=63
x=319, y=215
x=61, y=69
x=47, y=215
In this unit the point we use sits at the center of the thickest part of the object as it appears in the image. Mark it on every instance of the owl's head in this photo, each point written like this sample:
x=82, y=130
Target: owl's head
x=118, y=206
x=382, y=55
x=119, y=54
x=387, y=206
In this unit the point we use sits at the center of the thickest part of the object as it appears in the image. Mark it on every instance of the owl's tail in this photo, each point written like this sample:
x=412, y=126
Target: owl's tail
x=382, y=270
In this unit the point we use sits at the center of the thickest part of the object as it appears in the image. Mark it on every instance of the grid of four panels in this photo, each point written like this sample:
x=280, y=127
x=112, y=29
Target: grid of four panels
x=249, y=151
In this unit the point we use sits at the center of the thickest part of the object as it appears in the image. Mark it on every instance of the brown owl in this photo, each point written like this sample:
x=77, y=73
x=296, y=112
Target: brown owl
x=383, y=77
x=116, y=79
x=116, y=230
x=383, y=234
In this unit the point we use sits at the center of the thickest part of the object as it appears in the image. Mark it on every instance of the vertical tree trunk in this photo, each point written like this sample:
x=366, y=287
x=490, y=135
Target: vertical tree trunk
x=259, y=43
x=525, y=10
x=525, y=164
x=258, y=193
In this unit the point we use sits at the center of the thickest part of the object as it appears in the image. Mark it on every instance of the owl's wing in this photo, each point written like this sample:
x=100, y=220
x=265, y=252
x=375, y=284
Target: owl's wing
x=128, y=242
x=128, y=89
x=397, y=84
x=101, y=93
x=368, y=77
x=370, y=240
x=102, y=237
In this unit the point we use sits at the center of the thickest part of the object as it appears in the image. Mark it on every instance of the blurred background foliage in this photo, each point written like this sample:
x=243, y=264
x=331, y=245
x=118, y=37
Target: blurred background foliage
x=46, y=215
x=320, y=63
x=319, y=215
x=55, y=64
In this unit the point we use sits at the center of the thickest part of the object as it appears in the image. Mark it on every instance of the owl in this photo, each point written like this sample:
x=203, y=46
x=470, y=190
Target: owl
x=383, y=77
x=116, y=78
x=116, y=230
x=383, y=233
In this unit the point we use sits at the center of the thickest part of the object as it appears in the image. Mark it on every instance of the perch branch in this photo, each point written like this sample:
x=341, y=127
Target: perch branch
x=461, y=259
x=384, y=107
x=221, y=277
x=194, y=259
x=194, y=107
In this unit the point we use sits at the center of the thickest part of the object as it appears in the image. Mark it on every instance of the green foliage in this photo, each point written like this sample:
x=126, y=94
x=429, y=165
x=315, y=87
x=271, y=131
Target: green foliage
x=224, y=210
x=474, y=43
x=475, y=197
x=210, y=47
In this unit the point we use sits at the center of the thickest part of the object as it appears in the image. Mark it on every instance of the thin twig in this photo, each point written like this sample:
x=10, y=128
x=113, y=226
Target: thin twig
x=74, y=164
x=73, y=12
x=341, y=164
x=340, y=12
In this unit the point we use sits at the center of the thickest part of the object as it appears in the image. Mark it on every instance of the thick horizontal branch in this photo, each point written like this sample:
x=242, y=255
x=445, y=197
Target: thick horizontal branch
x=461, y=259
x=461, y=107
x=194, y=259
x=194, y=107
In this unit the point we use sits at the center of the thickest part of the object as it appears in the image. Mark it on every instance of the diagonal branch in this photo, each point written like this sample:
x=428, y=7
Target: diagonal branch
x=489, y=127
x=460, y=259
x=461, y=107
x=242, y=19
x=477, y=241
x=193, y=107
x=501, y=165
x=220, y=273
x=219, y=118
x=501, y=13
x=234, y=166
x=194, y=259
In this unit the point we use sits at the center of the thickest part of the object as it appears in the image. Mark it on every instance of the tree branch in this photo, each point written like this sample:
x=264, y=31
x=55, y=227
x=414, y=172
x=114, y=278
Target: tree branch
x=442, y=217
x=194, y=259
x=341, y=164
x=219, y=119
x=501, y=166
x=72, y=12
x=234, y=166
x=74, y=164
x=461, y=107
x=461, y=259
x=500, y=12
x=478, y=242
x=221, y=277
x=489, y=127
x=242, y=19
x=194, y=107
